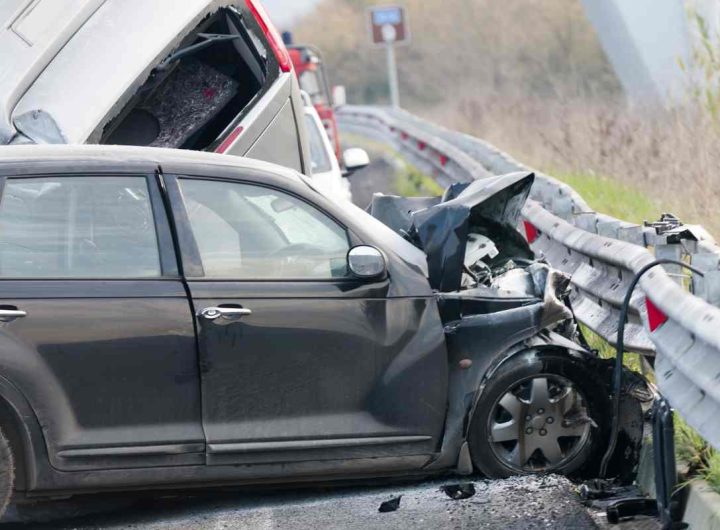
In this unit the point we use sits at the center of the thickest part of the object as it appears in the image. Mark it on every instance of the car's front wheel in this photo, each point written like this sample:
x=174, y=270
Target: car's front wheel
x=541, y=412
x=7, y=472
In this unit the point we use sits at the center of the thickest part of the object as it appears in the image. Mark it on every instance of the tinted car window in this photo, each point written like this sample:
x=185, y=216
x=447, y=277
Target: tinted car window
x=318, y=154
x=251, y=232
x=77, y=227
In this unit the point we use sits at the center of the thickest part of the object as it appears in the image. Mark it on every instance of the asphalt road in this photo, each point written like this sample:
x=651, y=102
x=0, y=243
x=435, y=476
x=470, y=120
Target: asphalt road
x=378, y=177
x=516, y=503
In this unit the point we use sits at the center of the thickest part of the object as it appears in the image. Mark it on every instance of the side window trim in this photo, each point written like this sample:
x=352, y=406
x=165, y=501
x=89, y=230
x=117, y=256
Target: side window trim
x=166, y=255
x=189, y=253
x=189, y=250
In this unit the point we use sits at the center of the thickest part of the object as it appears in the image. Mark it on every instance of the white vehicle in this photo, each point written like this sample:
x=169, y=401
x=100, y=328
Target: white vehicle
x=327, y=174
x=206, y=75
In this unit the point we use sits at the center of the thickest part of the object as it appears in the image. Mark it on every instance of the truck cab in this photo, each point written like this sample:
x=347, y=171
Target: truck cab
x=310, y=70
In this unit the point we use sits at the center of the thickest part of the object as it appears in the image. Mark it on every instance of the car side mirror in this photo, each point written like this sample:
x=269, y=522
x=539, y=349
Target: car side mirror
x=366, y=262
x=339, y=96
x=354, y=159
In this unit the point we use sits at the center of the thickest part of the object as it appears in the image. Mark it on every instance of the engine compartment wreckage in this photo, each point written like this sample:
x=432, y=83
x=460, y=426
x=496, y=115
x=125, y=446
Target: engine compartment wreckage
x=526, y=391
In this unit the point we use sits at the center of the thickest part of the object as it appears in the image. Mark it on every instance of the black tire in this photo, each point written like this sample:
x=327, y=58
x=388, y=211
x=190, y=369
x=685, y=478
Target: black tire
x=579, y=452
x=7, y=472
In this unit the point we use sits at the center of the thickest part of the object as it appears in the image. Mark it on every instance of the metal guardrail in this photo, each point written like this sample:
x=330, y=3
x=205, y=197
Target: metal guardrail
x=602, y=254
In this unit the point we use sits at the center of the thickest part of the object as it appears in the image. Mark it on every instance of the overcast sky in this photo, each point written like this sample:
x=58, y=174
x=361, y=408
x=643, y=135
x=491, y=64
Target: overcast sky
x=283, y=12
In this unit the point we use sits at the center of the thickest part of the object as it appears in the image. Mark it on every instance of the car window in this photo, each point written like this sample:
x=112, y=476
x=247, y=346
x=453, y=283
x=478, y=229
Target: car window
x=245, y=231
x=318, y=153
x=197, y=93
x=77, y=227
x=310, y=83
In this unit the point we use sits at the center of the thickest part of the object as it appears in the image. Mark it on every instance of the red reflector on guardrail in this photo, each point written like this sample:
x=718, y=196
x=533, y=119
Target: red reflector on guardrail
x=656, y=318
x=531, y=233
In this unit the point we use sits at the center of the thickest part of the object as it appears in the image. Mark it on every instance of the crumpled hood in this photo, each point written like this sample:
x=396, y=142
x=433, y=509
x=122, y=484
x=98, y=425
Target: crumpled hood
x=441, y=227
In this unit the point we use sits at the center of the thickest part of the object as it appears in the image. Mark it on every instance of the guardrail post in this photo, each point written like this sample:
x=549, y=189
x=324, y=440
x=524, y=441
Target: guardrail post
x=664, y=250
x=664, y=449
x=608, y=227
x=563, y=208
x=587, y=221
x=707, y=287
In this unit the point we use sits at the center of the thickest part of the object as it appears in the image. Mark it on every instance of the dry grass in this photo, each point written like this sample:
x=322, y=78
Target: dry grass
x=670, y=156
x=530, y=77
x=489, y=46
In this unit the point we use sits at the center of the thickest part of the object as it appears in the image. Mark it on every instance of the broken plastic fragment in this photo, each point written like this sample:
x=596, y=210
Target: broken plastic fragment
x=391, y=505
x=459, y=491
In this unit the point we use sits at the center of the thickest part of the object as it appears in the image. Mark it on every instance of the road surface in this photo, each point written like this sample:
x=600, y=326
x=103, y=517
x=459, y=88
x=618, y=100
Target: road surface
x=515, y=503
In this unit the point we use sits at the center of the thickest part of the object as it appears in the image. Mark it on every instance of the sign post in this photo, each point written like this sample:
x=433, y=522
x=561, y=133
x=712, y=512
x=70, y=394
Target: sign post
x=388, y=26
x=389, y=35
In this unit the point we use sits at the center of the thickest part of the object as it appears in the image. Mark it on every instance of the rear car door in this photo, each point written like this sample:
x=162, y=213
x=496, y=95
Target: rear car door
x=300, y=361
x=97, y=331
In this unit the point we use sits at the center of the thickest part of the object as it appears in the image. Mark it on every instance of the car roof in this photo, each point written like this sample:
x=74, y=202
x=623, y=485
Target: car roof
x=16, y=159
x=77, y=58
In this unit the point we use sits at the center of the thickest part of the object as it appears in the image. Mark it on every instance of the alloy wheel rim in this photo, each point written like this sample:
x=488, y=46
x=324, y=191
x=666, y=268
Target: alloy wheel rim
x=539, y=424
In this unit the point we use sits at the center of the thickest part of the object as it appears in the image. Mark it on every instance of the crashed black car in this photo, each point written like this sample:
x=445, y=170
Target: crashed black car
x=176, y=318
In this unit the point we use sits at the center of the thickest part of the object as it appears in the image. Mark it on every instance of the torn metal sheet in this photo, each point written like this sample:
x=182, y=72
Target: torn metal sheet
x=441, y=227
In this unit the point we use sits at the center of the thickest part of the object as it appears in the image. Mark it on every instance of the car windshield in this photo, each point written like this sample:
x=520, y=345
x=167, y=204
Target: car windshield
x=319, y=156
x=310, y=83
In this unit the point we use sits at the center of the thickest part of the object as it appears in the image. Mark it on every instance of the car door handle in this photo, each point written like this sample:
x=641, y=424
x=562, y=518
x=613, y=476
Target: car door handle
x=228, y=313
x=8, y=315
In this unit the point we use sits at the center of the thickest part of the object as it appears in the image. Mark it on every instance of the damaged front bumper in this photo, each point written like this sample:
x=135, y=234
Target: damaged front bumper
x=497, y=300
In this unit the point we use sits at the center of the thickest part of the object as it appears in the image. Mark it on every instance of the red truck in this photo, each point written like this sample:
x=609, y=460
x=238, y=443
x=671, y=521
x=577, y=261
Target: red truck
x=310, y=71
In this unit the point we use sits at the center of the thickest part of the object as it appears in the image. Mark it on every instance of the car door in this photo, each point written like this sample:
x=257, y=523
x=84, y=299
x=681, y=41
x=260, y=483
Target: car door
x=299, y=360
x=97, y=330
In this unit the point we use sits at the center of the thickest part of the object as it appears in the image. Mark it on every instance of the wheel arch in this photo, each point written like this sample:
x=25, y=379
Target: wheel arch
x=541, y=342
x=22, y=429
x=544, y=341
x=593, y=380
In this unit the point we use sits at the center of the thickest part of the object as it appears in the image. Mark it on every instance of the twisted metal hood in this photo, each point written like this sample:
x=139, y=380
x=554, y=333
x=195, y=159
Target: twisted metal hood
x=440, y=227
